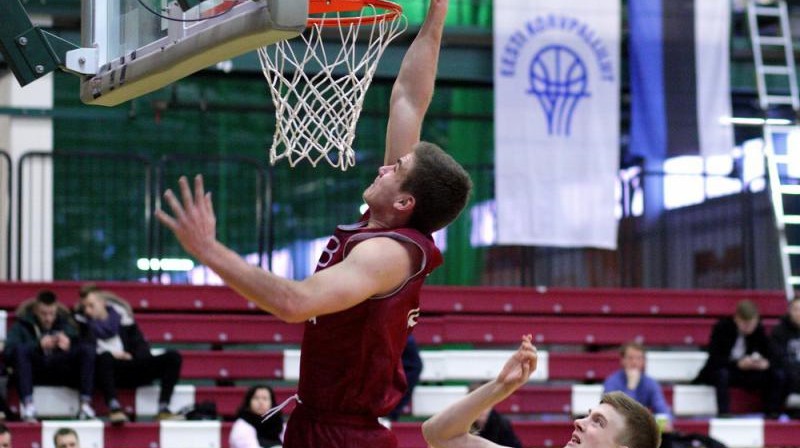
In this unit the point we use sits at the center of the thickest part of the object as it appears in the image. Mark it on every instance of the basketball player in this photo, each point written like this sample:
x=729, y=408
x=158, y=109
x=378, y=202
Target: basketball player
x=363, y=300
x=619, y=421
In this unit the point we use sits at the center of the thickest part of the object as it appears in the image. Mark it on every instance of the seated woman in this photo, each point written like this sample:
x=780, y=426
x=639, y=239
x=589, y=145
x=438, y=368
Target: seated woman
x=248, y=430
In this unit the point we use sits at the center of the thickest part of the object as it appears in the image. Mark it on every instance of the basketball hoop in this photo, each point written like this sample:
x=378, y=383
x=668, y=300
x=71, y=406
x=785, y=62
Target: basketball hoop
x=316, y=111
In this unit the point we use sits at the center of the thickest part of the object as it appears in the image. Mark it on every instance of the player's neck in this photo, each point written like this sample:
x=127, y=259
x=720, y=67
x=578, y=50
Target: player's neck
x=385, y=222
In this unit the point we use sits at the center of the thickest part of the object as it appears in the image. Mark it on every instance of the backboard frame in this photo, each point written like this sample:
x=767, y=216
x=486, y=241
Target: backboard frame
x=186, y=48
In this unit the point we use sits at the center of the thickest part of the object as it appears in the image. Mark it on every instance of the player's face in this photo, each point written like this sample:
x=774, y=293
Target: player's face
x=94, y=306
x=633, y=359
x=45, y=314
x=67, y=441
x=260, y=403
x=384, y=190
x=5, y=440
x=599, y=429
x=746, y=327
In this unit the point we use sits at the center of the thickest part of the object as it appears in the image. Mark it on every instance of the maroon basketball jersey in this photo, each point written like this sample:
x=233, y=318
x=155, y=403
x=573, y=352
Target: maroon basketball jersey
x=350, y=360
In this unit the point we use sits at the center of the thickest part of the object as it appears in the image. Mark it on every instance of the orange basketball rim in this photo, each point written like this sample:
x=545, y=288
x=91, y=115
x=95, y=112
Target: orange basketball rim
x=383, y=10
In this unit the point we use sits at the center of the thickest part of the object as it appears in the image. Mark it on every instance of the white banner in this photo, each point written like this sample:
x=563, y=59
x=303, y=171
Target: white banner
x=556, y=121
x=712, y=23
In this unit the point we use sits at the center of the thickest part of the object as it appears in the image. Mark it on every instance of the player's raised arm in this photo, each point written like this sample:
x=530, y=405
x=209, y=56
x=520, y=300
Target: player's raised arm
x=373, y=267
x=450, y=428
x=413, y=88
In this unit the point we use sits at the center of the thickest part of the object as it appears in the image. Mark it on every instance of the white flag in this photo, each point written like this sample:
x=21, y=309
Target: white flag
x=556, y=121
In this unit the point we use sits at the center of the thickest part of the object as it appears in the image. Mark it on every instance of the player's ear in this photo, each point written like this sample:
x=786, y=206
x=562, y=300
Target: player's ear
x=404, y=203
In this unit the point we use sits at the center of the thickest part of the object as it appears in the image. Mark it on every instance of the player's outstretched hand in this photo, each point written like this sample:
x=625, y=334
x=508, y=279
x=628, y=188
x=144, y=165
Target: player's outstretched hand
x=192, y=220
x=519, y=367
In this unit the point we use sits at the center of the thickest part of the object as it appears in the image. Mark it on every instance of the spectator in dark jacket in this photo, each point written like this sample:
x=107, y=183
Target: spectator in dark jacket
x=494, y=427
x=43, y=348
x=786, y=336
x=740, y=354
x=123, y=354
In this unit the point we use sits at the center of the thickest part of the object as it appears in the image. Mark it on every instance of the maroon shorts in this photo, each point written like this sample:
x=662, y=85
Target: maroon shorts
x=309, y=429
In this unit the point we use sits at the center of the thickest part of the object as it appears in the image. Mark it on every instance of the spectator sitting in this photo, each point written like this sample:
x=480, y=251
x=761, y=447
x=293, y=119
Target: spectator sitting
x=786, y=338
x=123, y=354
x=248, y=430
x=740, y=354
x=43, y=348
x=66, y=438
x=492, y=426
x=632, y=380
x=5, y=436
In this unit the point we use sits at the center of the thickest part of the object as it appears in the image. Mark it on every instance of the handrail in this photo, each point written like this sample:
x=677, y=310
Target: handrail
x=9, y=170
x=23, y=160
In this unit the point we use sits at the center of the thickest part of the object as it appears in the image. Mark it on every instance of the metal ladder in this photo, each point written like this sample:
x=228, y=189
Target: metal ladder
x=784, y=189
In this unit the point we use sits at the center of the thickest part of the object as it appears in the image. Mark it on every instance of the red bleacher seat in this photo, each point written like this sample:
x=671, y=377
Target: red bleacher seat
x=440, y=299
x=141, y=296
x=232, y=365
x=576, y=330
x=596, y=301
x=218, y=328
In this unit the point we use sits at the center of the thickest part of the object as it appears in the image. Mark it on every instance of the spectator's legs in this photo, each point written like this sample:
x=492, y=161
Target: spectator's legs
x=22, y=361
x=774, y=391
x=721, y=382
x=169, y=367
x=85, y=355
x=770, y=383
x=165, y=367
x=104, y=375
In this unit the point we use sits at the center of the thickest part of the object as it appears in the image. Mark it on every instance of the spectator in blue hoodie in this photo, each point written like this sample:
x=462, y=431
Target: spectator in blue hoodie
x=632, y=380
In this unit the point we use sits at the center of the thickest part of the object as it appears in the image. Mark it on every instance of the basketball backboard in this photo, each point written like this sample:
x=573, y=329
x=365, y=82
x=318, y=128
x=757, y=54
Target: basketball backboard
x=133, y=47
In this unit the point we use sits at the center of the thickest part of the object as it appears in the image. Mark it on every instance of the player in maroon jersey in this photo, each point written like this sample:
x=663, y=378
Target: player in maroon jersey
x=363, y=300
x=618, y=421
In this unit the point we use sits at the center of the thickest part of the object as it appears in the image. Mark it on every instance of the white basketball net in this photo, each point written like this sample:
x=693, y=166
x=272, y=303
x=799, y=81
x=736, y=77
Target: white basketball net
x=316, y=111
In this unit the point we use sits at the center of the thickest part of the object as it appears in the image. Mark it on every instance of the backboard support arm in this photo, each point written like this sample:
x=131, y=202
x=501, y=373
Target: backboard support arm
x=29, y=51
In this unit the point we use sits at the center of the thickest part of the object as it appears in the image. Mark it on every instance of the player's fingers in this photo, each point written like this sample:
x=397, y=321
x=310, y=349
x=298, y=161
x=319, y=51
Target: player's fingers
x=186, y=194
x=199, y=191
x=165, y=219
x=209, y=204
x=174, y=205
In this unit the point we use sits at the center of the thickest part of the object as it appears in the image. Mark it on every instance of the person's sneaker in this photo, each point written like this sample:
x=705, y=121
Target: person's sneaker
x=28, y=413
x=117, y=417
x=86, y=412
x=166, y=415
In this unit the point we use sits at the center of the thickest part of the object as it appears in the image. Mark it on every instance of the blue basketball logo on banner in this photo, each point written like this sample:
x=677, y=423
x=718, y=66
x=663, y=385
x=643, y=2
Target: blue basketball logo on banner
x=559, y=80
x=559, y=76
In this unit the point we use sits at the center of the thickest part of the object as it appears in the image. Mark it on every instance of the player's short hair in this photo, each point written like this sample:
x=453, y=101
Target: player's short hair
x=87, y=289
x=440, y=187
x=746, y=310
x=64, y=432
x=641, y=429
x=46, y=297
x=4, y=429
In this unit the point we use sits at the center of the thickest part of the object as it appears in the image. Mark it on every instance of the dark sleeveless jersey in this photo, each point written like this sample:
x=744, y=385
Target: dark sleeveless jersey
x=350, y=360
